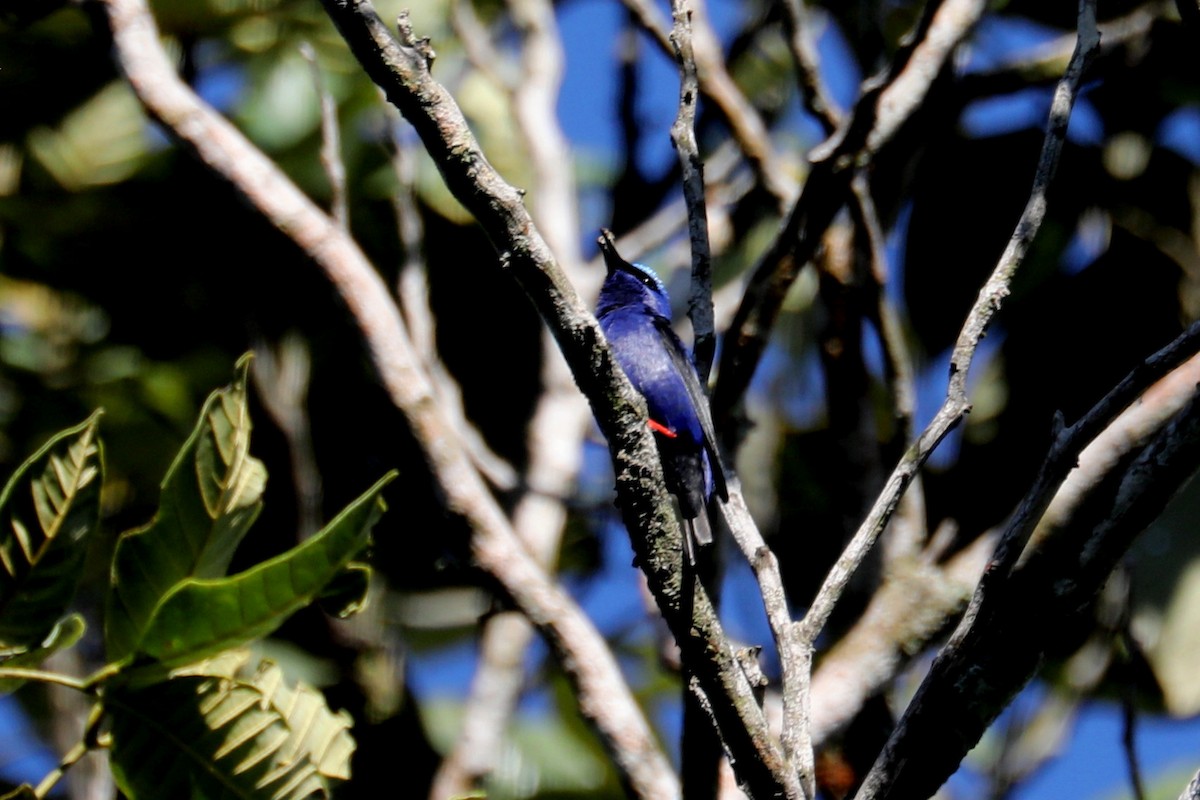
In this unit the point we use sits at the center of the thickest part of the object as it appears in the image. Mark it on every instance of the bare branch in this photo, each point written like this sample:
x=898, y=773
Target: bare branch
x=794, y=655
x=401, y=69
x=798, y=24
x=331, y=142
x=561, y=418
x=718, y=85
x=700, y=744
x=683, y=136
x=281, y=374
x=917, y=600
x=991, y=297
x=999, y=644
x=604, y=696
x=884, y=105
x=1068, y=443
x=412, y=289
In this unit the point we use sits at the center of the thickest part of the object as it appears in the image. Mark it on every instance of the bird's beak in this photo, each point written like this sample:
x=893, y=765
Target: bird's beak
x=608, y=246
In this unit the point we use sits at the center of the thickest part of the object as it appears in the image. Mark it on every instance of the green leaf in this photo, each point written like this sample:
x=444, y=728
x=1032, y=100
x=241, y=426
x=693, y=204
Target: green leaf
x=66, y=633
x=47, y=510
x=210, y=497
x=200, y=618
x=221, y=735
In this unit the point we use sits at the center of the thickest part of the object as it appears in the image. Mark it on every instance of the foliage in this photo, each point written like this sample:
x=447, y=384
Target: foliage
x=188, y=716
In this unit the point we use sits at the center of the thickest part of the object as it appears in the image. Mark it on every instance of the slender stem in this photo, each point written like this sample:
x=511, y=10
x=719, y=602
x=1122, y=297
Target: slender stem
x=331, y=142
x=42, y=676
x=69, y=760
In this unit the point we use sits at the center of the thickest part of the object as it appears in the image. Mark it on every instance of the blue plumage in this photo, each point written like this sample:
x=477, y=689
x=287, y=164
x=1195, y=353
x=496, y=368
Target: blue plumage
x=635, y=314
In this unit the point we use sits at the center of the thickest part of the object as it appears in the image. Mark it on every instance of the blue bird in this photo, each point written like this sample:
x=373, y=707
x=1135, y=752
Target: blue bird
x=635, y=314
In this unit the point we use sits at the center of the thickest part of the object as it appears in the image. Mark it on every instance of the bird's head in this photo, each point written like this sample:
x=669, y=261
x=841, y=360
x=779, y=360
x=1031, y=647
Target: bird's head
x=629, y=283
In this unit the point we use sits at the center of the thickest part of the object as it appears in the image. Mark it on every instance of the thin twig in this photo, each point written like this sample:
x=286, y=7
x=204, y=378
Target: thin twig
x=412, y=290
x=1129, y=742
x=1127, y=649
x=798, y=24
x=331, y=143
x=897, y=360
x=604, y=695
x=683, y=136
x=795, y=658
x=42, y=676
x=886, y=102
x=700, y=743
x=282, y=374
x=51, y=779
x=991, y=297
x=909, y=528
x=718, y=85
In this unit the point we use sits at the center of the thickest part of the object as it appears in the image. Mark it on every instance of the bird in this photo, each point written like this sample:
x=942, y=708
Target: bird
x=634, y=313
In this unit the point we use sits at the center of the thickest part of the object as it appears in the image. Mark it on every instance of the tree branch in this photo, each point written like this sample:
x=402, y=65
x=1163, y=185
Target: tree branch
x=402, y=71
x=683, y=137
x=718, y=85
x=886, y=103
x=1000, y=642
x=604, y=696
x=991, y=297
x=561, y=418
x=1192, y=790
x=918, y=599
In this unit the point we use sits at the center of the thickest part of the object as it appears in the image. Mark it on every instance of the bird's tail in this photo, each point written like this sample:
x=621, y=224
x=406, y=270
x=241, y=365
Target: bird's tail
x=697, y=532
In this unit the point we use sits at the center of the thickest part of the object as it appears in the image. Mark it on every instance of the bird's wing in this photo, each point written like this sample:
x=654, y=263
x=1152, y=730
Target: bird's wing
x=687, y=371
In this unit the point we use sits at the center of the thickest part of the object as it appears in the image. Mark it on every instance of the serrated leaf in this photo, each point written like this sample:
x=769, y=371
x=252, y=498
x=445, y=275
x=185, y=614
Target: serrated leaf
x=63, y=635
x=202, y=617
x=210, y=497
x=225, y=736
x=47, y=509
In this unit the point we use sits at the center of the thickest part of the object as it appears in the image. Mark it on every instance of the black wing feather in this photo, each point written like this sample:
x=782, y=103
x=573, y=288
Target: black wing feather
x=691, y=382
